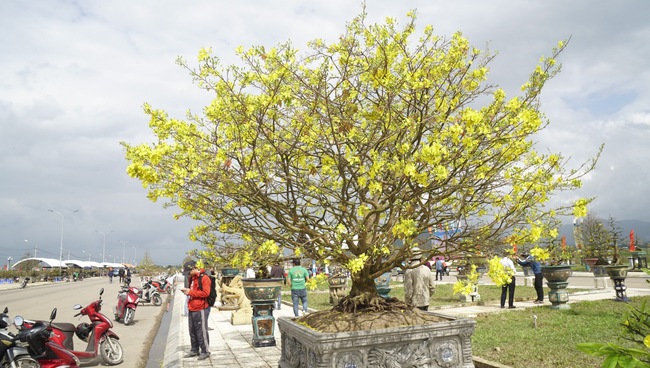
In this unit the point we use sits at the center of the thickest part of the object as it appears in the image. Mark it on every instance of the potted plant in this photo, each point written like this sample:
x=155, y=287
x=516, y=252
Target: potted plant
x=467, y=285
x=356, y=153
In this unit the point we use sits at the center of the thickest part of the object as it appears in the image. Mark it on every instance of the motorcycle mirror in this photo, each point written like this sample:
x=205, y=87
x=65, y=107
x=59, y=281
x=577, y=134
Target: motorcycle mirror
x=101, y=291
x=76, y=306
x=6, y=310
x=18, y=321
x=53, y=314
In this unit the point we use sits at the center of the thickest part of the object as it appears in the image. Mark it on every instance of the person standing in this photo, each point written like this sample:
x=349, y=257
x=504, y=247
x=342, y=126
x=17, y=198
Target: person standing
x=198, y=312
x=298, y=277
x=418, y=285
x=536, y=267
x=509, y=288
x=277, y=272
x=439, y=268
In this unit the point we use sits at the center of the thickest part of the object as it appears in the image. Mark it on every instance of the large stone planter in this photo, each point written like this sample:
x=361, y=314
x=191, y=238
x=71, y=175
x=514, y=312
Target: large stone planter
x=618, y=273
x=443, y=344
x=600, y=275
x=556, y=279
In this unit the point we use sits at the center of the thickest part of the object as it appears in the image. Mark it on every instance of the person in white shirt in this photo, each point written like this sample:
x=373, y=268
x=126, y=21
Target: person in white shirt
x=508, y=288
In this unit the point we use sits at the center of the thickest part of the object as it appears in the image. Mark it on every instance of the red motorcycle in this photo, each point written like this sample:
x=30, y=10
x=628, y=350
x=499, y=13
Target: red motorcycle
x=41, y=348
x=101, y=341
x=127, y=302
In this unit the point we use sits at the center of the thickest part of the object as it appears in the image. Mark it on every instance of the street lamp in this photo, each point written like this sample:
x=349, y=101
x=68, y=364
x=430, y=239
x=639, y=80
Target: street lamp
x=104, y=247
x=88, y=254
x=135, y=256
x=35, y=247
x=61, y=246
x=9, y=263
x=123, y=249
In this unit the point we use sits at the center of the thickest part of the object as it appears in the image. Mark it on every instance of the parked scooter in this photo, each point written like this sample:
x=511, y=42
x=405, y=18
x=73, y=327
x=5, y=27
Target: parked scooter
x=149, y=294
x=164, y=286
x=25, y=282
x=41, y=348
x=101, y=341
x=12, y=354
x=127, y=302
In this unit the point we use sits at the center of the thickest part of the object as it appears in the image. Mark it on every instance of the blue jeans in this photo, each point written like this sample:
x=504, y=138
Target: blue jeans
x=299, y=294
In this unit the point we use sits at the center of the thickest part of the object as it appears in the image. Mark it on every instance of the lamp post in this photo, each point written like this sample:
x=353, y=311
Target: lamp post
x=135, y=256
x=35, y=247
x=88, y=254
x=61, y=245
x=124, y=242
x=9, y=263
x=104, y=246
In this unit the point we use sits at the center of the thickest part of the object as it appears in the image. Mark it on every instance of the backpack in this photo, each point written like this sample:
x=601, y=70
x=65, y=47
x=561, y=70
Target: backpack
x=212, y=298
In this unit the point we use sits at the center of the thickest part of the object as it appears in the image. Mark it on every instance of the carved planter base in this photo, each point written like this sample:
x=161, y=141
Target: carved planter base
x=443, y=344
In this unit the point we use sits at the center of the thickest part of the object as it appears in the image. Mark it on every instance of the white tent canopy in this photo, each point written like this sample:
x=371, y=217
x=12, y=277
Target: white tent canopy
x=82, y=264
x=45, y=262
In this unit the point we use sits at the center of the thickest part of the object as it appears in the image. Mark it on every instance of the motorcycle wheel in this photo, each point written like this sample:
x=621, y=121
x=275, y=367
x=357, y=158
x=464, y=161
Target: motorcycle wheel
x=129, y=316
x=111, y=351
x=24, y=361
x=156, y=300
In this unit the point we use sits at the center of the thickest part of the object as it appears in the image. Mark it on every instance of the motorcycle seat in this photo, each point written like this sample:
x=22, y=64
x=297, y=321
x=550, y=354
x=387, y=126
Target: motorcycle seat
x=65, y=327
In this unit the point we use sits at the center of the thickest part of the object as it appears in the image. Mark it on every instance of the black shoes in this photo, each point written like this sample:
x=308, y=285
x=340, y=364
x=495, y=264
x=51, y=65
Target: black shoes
x=512, y=307
x=204, y=356
x=191, y=354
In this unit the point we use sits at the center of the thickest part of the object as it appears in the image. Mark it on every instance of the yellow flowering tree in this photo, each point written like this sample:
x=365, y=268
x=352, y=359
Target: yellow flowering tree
x=350, y=151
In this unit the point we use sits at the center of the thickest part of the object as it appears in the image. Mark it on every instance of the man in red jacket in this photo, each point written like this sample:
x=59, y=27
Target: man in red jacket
x=198, y=312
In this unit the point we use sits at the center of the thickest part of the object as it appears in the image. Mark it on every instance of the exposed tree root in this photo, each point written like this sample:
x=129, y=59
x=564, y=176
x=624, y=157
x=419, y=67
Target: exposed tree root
x=369, y=302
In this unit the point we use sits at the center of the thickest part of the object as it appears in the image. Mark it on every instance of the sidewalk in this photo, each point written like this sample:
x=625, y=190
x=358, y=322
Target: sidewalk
x=231, y=346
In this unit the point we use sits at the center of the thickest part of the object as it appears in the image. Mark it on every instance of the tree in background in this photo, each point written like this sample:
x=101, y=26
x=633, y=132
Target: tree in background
x=353, y=151
x=598, y=240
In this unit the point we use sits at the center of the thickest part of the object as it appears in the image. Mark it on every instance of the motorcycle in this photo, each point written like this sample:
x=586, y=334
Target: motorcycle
x=149, y=294
x=127, y=301
x=164, y=286
x=37, y=335
x=12, y=354
x=24, y=283
x=101, y=341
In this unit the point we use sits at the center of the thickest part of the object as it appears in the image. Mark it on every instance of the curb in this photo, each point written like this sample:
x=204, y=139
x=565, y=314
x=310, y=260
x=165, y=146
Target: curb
x=173, y=353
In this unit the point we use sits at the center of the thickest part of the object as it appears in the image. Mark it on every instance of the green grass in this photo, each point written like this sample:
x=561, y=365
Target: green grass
x=510, y=338
x=443, y=297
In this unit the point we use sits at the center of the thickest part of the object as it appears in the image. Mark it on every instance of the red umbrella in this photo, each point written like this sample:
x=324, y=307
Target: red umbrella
x=632, y=247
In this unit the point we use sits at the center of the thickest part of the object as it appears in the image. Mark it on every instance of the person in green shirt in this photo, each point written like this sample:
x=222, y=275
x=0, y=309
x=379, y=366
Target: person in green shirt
x=298, y=277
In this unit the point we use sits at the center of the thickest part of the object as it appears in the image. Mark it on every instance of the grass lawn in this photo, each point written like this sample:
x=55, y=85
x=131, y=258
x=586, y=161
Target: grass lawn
x=510, y=338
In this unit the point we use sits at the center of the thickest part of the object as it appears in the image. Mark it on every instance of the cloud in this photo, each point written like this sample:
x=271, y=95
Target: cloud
x=74, y=77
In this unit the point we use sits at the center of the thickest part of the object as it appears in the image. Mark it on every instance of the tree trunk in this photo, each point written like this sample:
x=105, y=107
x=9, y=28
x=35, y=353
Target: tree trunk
x=362, y=284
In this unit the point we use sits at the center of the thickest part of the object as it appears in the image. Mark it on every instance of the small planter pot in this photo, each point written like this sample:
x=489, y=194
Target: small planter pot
x=382, y=283
x=557, y=280
x=618, y=273
x=338, y=288
x=263, y=294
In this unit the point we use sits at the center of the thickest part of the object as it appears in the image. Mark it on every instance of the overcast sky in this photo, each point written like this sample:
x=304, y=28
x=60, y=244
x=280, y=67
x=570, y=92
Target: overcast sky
x=75, y=74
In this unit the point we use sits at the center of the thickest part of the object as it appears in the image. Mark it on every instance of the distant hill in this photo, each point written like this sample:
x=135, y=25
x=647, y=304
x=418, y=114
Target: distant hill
x=641, y=231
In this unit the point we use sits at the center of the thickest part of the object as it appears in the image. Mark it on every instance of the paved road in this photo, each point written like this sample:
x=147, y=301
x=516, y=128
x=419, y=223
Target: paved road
x=37, y=301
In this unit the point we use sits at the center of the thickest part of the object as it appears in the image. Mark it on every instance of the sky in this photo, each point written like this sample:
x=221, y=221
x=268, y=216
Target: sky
x=74, y=76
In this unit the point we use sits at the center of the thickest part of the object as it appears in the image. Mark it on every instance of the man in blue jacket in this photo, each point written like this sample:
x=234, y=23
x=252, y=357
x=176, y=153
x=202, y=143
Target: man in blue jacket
x=536, y=267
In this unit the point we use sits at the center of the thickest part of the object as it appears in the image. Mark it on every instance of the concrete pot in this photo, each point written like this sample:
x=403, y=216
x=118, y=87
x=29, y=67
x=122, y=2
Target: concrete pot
x=443, y=344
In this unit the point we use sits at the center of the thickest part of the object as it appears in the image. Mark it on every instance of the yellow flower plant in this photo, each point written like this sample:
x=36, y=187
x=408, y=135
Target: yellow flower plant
x=540, y=254
x=499, y=274
x=466, y=286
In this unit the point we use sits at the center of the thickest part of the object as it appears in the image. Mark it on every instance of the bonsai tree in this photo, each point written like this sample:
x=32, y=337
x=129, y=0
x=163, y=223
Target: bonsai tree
x=351, y=151
x=598, y=240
